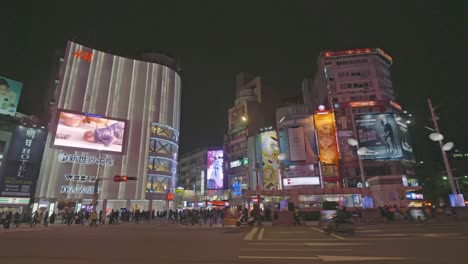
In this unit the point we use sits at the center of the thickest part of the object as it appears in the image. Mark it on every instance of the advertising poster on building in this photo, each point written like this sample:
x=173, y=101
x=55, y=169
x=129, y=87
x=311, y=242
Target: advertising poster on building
x=89, y=131
x=405, y=140
x=380, y=134
x=270, y=162
x=10, y=92
x=325, y=126
x=22, y=163
x=296, y=116
x=296, y=143
x=214, y=170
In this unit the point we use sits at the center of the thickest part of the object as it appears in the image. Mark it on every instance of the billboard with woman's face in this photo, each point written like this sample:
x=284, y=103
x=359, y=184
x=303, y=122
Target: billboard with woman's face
x=89, y=132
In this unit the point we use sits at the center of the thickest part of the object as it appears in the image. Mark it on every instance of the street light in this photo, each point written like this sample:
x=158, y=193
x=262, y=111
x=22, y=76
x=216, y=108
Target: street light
x=437, y=136
x=360, y=151
x=257, y=189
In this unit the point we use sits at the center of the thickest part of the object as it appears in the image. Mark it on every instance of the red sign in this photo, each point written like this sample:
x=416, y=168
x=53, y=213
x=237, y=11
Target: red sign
x=86, y=56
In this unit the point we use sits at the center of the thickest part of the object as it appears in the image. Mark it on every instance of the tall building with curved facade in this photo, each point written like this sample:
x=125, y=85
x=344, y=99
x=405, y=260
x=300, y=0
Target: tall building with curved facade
x=132, y=108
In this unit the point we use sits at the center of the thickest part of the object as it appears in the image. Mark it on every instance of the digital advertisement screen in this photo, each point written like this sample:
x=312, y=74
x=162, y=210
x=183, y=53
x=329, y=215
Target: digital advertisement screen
x=89, y=132
x=270, y=163
x=10, y=92
x=325, y=126
x=384, y=136
x=214, y=168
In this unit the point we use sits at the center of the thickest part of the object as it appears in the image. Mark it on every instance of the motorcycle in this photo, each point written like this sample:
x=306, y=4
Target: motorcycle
x=335, y=226
x=243, y=220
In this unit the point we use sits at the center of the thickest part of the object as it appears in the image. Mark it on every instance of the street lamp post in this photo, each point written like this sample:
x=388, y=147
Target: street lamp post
x=438, y=137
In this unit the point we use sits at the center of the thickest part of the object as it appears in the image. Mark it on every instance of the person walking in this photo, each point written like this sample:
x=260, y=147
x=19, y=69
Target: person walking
x=94, y=218
x=46, y=219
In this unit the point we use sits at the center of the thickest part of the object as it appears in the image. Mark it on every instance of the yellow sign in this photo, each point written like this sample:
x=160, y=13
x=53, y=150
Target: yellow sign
x=325, y=126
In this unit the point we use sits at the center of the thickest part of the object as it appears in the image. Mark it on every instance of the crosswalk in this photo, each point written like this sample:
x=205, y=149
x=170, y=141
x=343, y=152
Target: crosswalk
x=264, y=245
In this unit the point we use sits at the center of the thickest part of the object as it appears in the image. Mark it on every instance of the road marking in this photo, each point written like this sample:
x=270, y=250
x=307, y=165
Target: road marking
x=321, y=231
x=356, y=258
x=441, y=234
x=311, y=244
x=251, y=234
x=271, y=257
x=260, y=235
x=316, y=229
x=339, y=237
x=296, y=249
x=386, y=235
x=370, y=231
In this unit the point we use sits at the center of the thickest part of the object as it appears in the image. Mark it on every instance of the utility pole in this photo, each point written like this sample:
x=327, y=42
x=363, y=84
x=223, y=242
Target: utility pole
x=441, y=144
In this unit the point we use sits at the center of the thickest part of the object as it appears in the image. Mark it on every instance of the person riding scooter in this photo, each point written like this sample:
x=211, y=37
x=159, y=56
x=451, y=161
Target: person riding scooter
x=340, y=223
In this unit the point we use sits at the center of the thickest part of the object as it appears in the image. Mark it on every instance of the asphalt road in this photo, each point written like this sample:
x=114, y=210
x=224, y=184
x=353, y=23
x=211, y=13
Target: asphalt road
x=169, y=243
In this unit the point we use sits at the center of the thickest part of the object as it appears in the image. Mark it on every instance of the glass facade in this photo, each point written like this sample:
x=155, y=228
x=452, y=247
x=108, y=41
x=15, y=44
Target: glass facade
x=162, y=158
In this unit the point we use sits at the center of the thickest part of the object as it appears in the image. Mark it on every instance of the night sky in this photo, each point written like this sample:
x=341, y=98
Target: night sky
x=214, y=40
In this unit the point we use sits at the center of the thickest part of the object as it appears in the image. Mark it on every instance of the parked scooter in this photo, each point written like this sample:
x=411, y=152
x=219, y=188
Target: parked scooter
x=244, y=220
x=335, y=226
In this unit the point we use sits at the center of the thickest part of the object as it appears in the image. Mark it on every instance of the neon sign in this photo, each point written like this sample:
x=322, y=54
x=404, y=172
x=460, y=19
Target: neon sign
x=86, y=56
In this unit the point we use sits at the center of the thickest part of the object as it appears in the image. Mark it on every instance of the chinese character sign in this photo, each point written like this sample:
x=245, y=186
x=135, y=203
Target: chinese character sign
x=21, y=168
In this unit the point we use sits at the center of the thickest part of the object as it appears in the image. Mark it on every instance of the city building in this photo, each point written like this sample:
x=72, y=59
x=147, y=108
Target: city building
x=201, y=178
x=356, y=86
x=254, y=109
x=112, y=116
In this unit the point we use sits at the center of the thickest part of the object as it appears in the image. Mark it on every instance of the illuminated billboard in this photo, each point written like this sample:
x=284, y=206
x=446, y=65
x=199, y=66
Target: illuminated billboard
x=325, y=126
x=270, y=163
x=21, y=166
x=89, y=132
x=385, y=136
x=296, y=135
x=10, y=92
x=214, y=170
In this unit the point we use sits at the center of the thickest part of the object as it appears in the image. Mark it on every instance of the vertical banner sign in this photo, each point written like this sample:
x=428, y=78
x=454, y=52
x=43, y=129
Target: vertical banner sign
x=270, y=162
x=23, y=161
x=296, y=140
x=325, y=127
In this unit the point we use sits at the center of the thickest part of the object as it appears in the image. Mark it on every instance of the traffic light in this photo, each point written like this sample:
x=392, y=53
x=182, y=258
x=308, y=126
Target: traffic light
x=118, y=178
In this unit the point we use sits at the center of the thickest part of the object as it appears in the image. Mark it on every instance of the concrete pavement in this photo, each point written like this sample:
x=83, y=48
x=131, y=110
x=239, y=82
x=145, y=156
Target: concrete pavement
x=162, y=242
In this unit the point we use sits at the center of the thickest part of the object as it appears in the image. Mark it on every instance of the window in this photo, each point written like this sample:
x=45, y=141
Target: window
x=328, y=63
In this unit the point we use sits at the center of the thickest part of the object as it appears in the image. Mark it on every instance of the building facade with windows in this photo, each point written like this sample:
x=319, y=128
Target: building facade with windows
x=356, y=85
x=96, y=89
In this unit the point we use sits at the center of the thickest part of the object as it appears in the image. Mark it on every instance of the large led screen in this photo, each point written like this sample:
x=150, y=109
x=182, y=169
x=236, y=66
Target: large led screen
x=270, y=163
x=384, y=136
x=89, y=132
x=10, y=92
x=214, y=170
x=325, y=126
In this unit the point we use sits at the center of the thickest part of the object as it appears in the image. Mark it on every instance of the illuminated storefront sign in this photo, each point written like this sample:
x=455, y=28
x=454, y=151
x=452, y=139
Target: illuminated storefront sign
x=78, y=189
x=11, y=200
x=301, y=181
x=80, y=178
x=238, y=163
x=85, y=159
